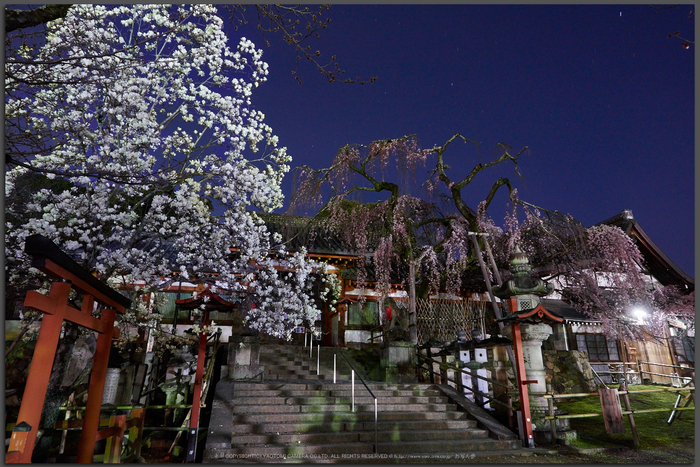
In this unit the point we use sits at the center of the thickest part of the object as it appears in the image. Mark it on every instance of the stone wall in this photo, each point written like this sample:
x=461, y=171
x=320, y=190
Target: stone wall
x=570, y=371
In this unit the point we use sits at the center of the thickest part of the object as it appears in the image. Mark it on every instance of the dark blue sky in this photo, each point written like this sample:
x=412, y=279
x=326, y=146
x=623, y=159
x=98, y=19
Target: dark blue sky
x=600, y=94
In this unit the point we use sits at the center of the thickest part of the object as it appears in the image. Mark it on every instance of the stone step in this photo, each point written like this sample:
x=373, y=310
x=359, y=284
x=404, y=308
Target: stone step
x=293, y=450
x=283, y=399
x=317, y=408
x=303, y=370
x=326, y=355
x=300, y=356
x=300, y=449
x=295, y=415
x=288, y=371
x=409, y=434
x=330, y=386
x=440, y=424
x=277, y=437
x=325, y=359
x=304, y=367
x=346, y=392
x=384, y=436
x=427, y=447
x=322, y=426
x=319, y=417
x=341, y=373
x=293, y=376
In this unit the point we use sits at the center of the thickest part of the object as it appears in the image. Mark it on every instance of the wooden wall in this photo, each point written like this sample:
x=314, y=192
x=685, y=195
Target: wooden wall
x=657, y=352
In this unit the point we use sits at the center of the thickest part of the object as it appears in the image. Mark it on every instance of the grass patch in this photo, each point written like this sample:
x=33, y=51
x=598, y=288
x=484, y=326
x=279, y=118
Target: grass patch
x=652, y=428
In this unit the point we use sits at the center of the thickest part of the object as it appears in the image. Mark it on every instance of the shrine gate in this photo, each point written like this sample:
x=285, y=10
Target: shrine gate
x=68, y=274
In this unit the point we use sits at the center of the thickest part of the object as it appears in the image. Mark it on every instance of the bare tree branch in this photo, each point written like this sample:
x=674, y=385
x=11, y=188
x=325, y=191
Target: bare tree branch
x=288, y=23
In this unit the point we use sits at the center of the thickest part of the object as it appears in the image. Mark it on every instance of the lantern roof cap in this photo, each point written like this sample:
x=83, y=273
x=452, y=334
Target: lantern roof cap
x=522, y=282
x=535, y=315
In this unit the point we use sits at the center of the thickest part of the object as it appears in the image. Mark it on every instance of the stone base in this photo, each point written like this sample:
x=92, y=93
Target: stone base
x=542, y=432
x=540, y=423
x=398, y=362
x=244, y=371
x=563, y=437
x=243, y=358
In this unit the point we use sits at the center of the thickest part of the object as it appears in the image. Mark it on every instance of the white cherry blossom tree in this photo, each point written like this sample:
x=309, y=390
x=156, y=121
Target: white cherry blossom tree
x=146, y=150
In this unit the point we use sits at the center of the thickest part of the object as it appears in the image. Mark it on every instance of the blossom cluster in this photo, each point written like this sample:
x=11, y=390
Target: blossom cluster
x=283, y=290
x=155, y=157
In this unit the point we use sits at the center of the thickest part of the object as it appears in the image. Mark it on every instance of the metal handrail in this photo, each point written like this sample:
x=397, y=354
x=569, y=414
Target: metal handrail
x=376, y=442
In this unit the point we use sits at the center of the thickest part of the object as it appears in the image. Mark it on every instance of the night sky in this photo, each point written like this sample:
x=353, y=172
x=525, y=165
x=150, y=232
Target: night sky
x=599, y=93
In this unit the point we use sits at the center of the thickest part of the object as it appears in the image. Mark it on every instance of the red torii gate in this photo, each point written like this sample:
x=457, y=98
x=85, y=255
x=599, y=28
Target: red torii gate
x=47, y=257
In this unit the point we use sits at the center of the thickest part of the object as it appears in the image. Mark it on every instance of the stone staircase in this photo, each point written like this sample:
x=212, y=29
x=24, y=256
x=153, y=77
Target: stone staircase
x=295, y=415
x=293, y=362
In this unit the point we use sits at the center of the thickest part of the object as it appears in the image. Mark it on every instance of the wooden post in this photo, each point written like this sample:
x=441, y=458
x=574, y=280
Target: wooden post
x=429, y=354
x=412, y=313
x=639, y=367
x=528, y=440
x=443, y=370
x=690, y=397
x=91, y=420
x=612, y=413
x=193, y=432
x=18, y=442
x=135, y=432
x=628, y=407
x=509, y=401
x=458, y=373
x=552, y=422
x=113, y=449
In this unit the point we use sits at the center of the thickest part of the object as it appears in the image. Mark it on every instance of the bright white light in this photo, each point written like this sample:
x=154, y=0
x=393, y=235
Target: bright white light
x=639, y=313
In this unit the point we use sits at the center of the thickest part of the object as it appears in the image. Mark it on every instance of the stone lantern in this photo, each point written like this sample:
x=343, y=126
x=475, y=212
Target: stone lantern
x=526, y=325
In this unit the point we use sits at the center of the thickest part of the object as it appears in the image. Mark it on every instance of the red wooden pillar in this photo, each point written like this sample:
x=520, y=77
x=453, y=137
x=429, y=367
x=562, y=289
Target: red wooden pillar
x=522, y=385
x=91, y=420
x=193, y=432
x=42, y=363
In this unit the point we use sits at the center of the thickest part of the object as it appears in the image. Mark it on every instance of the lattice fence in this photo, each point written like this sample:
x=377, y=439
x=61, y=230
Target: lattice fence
x=441, y=319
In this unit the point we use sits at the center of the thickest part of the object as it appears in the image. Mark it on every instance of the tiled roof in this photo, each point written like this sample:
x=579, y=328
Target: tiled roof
x=563, y=309
x=658, y=264
x=300, y=231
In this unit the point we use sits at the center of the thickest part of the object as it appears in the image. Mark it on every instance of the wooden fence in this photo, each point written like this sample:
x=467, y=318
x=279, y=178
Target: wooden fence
x=687, y=394
x=440, y=319
x=124, y=434
x=639, y=371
